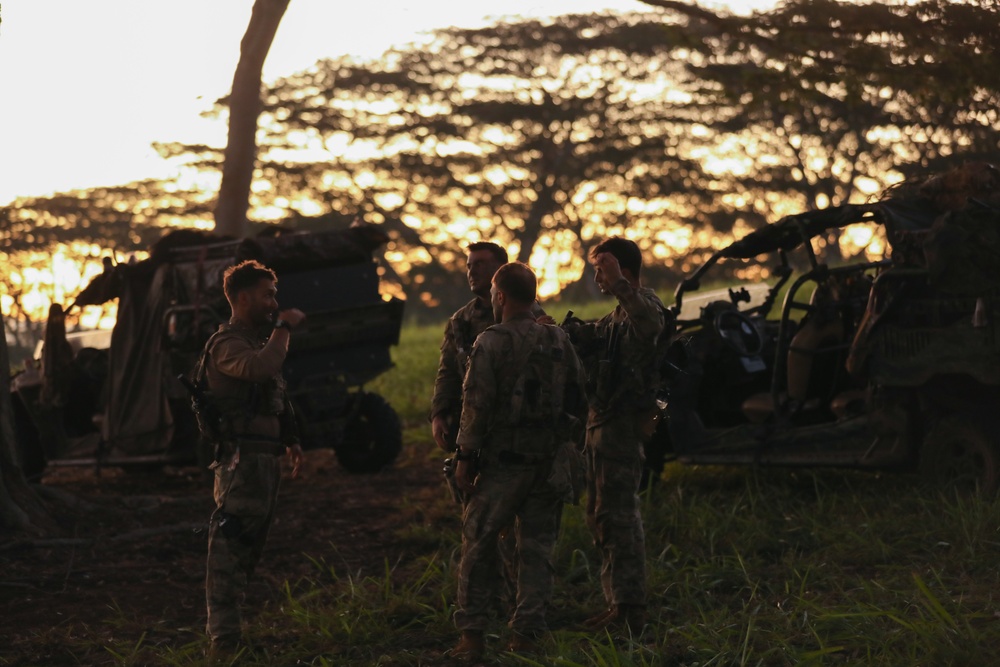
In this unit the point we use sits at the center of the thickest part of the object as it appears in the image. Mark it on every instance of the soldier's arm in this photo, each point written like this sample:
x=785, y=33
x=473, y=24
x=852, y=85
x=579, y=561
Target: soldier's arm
x=478, y=394
x=644, y=313
x=236, y=357
x=448, y=382
x=582, y=335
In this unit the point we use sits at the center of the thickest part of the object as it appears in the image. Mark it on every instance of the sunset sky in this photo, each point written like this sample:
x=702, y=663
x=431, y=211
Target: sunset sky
x=88, y=86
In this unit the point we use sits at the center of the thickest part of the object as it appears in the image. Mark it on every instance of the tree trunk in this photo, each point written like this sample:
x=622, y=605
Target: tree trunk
x=20, y=508
x=244, y=109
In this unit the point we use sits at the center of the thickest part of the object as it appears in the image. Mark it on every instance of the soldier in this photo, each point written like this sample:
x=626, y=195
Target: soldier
x=242, y=365
x=618, y=352
x=523, y=384
x=463, y=327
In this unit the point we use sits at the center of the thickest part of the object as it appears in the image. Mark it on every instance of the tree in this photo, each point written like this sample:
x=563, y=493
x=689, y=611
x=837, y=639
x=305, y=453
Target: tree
x=541, y=134
x=678, y=128
x=244, y=105
x=832, y=101
x=671, y=128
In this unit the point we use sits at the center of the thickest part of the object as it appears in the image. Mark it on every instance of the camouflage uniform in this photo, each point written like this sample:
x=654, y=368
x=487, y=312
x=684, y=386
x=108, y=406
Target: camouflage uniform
x=460, y=333
x=243, y=371
x=463, y=327
x=523, y=472
x=619, y=352
x=462, y=330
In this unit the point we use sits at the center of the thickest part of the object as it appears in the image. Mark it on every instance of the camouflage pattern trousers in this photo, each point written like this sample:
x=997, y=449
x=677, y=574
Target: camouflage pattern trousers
x=244, y=507
x=614, y=470
x=506, y=495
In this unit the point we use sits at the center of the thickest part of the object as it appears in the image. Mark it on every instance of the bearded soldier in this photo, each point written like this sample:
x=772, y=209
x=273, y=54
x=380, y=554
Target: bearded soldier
x=523, y=384
x=242, y=367
x=463, y=328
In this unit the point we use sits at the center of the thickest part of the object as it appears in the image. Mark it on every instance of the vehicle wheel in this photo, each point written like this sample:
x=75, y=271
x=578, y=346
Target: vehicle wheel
x=961, y=454
x=373, y=438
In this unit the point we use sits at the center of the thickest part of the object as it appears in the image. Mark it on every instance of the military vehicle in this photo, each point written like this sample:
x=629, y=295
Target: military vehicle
x=888, y=364
x=125, y=406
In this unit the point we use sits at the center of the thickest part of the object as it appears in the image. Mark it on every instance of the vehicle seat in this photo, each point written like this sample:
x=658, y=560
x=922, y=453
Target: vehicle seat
x=818, y=331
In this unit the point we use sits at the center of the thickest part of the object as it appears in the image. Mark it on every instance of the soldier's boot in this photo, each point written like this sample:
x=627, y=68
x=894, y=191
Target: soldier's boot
x=470, y=647
x=523, y=643
x=599, y=621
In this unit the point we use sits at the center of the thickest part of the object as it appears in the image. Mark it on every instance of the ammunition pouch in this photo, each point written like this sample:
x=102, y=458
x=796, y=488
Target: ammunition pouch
x=271, y=400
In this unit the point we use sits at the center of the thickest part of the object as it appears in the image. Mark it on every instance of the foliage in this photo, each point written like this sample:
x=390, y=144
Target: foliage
x=676, y=128
x=835, y=100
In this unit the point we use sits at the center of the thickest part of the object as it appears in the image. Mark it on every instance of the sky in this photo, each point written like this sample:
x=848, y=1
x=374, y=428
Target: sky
x=87, y=87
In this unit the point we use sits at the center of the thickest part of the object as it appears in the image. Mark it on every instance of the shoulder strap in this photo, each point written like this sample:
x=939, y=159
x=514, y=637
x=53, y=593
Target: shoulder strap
x=199, y=367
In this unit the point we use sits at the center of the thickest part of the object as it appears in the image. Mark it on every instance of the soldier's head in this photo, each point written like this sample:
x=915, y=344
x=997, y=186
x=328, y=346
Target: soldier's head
x=250, y=288
x=513, y=290
x=484, y=260
x=625, y=251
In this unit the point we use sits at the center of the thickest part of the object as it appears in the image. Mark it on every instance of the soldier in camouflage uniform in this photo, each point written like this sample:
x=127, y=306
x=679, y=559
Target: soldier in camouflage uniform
x=460, y=333
x=523, y=384
x=463, y=327
x=242, y=366
x=618, y=353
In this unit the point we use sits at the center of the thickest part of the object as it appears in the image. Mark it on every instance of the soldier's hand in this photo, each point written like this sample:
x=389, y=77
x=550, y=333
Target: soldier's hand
x=293, y=316
x=295, y=457
x=609, y=266
x=465, y=476
x=439, y=429
x=545, y=319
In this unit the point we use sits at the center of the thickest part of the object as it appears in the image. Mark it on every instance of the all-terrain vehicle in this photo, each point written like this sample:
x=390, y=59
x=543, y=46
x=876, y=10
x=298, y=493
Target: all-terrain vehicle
x=125, y=406
x=888, y=364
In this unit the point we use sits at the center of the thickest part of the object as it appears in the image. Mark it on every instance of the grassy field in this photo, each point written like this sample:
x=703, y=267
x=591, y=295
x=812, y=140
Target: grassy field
x=746, y=567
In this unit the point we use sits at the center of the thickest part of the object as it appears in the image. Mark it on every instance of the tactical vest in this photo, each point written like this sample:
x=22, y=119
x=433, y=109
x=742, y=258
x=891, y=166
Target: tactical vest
x=535, y=381
x=225, y=417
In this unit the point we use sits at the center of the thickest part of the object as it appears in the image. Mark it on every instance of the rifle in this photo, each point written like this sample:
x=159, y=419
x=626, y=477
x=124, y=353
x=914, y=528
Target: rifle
x=449, y=477
x=206, y=412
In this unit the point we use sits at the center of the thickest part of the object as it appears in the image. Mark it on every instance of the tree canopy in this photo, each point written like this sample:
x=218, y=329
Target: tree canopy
x=677, y=127
x=832, y=100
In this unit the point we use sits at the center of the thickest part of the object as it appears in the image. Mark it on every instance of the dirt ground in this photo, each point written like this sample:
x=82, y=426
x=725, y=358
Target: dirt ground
x=132, y=554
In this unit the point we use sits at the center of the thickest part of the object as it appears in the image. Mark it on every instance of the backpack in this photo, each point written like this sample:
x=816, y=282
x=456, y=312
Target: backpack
x=537, y=394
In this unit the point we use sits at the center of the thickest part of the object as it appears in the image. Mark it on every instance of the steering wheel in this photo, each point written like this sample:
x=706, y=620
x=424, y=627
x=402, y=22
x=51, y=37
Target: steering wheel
x=738, y=332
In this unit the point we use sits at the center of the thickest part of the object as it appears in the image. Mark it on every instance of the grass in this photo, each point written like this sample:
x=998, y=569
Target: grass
x=747, y=567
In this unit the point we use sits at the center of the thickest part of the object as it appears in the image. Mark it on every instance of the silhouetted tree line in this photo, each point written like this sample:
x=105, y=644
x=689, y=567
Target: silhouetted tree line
x=673, y=126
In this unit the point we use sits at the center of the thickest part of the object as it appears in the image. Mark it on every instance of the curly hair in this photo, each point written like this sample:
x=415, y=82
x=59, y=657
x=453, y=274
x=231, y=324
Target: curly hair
x=243, y=276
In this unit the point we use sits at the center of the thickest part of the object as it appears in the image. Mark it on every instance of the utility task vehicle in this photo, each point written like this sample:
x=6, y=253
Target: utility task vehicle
x=124, y=405
x=889, y=364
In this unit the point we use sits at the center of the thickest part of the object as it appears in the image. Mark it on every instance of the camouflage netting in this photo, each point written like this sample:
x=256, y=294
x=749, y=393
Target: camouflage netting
x=949, y=224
